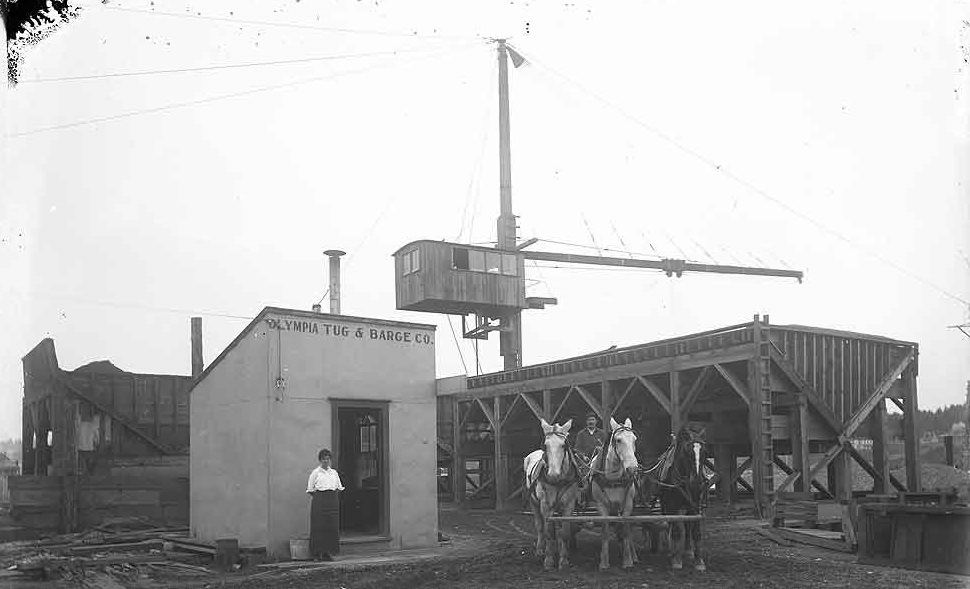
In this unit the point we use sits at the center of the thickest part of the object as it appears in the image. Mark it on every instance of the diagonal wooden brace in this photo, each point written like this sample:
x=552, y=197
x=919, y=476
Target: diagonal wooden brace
x=658, y=395
x=695, y=392
x=736, y=384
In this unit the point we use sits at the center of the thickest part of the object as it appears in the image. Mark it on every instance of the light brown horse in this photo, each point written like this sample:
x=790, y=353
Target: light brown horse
x=552, y=486
x=614, y=472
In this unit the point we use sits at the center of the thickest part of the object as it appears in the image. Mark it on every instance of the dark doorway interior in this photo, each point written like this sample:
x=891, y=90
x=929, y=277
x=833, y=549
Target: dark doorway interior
x=361, y=463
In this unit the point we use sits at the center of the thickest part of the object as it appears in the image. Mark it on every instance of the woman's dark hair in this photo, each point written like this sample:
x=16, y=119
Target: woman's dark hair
x=324, y=454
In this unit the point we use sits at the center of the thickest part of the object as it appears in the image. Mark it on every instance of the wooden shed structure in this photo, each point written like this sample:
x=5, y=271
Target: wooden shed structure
x=98, y=442
x=784, y=397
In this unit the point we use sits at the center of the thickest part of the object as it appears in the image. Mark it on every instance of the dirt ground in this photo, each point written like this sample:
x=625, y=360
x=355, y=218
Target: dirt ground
x=489, y=549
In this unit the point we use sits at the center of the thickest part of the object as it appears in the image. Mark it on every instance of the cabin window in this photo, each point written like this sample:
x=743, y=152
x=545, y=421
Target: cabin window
x=459, y=258
x=476, y=260
x=480, y=261
x=411, y=262
x=509, y=264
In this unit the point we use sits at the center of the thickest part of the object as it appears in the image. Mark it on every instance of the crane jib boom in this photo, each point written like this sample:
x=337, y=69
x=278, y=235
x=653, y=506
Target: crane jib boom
x=670, y=266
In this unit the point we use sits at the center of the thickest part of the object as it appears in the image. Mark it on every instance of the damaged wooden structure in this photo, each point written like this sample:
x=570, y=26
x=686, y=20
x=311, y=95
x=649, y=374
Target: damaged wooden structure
x=99, y=442
x=783, y=397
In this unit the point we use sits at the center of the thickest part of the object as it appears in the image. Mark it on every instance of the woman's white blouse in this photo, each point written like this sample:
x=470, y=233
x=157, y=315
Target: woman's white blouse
x=324, y=480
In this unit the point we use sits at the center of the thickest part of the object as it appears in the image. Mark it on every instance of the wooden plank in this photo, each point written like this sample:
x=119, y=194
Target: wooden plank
x=594, y=405
x=547, y=403
x=562, y=404
x=488, y=414
x=675, y=415
x=877, y=396
x=457, y=457
x=626, y=391
x=656, y=367
x=627, y=518
x=830, y=541
x=910, y=431
x=768, y=533
x=736, y=385
x=501, y=458
x=813, y=398
x=655, y=392
x=532, y=405
x=694, y=392
x=508, y=412
x=115, y=417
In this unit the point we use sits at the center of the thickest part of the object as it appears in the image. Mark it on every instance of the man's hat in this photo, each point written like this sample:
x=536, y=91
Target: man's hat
x=592, y=414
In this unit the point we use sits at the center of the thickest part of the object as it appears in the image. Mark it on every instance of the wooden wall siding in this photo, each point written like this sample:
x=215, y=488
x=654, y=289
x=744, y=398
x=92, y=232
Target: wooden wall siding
x=437, y=287
x=843, y=369
x=157, y=404
x=703, y=342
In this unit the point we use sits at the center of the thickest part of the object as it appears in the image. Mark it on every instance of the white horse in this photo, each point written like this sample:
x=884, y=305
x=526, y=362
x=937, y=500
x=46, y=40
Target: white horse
x=552, y=485
x=614, y=473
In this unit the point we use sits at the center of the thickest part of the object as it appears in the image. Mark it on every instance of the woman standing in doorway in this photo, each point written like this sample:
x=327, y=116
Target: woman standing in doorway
x=323, y=485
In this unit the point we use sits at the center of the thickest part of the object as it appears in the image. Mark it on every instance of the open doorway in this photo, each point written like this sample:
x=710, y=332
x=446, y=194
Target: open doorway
x=362, y=463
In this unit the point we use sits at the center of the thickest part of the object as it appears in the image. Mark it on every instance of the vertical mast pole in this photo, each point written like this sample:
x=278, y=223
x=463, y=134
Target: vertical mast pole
x=510, y=338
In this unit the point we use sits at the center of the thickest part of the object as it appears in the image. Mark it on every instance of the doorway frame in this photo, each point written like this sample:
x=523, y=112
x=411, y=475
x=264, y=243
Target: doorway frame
x=384, y=407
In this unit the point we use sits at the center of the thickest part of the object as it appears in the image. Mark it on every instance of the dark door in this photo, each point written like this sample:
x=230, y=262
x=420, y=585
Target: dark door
x=361, y=463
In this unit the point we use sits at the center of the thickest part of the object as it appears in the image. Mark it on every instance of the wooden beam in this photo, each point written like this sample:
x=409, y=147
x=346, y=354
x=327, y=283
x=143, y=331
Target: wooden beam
x=675, y=416
x=789, y=471
x=878, y=432
x=655, y=367
x=489, y=415
x=813, y=398
x=565, y=398
x=899, y=403
x=501, y=458
x=115, y=417
x=874, y=472
x=468, y=411
x=877, y=396
x=798, y=421
x=910, y=432
x=482, y=487
x=655, y=392
x=508, y=412
x=594, y=405
x=736, y=385
x=547, y=404
x=745, y=465
x=670, y=266
x=532, y=405
x=457, y=458
x=626, y=392
x=694, y=392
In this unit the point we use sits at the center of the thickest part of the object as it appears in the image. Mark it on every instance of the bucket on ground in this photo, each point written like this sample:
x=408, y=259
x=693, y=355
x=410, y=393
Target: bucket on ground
x=227, y=553
x=300, y=549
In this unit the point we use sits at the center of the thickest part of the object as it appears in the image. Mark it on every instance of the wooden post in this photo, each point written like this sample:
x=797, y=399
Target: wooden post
x=606, y=407
x=759, y=418
x=457, y=460
x=727, y=470
x=910, y=432
x=880, y=451
x=843, y=467
x=501, y=460
x=675, y=423
x=547, y=404
x=798, y=420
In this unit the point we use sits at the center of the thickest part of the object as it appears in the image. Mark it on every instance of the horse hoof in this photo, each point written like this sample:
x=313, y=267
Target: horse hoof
x=549, y=564
x=604, y=567
x=700, y=567
x=563, y=564
x=628, y=565
x=677, y=566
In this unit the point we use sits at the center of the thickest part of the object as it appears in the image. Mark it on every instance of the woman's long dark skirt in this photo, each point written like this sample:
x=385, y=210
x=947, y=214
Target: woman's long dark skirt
x=324, y=523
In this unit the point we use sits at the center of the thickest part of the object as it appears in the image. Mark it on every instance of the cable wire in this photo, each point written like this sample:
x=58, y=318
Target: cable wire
x=238, y=21
x=748, y=185
x=221, y=67
x=209, y=99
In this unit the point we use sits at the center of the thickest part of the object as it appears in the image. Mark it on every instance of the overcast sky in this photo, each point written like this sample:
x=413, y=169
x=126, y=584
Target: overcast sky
x=830, y=137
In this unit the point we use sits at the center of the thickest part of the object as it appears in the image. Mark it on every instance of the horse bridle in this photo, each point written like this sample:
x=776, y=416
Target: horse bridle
x=611, y=446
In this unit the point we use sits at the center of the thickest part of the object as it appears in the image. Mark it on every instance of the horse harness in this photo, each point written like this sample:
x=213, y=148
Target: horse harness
x=562, y=485
x=598, y=474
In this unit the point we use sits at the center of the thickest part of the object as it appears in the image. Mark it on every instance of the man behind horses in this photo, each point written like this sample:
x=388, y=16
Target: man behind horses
x=588, y=442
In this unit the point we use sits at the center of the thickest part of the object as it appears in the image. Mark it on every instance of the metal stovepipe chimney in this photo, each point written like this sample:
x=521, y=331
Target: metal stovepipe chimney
x=334, y=256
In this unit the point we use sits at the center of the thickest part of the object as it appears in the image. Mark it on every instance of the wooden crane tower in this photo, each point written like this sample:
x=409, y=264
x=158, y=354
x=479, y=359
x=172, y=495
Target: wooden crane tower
x=489, y=283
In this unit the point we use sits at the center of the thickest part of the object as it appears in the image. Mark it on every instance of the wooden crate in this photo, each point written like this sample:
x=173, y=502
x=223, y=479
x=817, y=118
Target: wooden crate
x=933, y=538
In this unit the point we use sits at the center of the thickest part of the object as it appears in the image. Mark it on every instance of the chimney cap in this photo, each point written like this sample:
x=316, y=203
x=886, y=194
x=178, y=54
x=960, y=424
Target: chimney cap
x=334, y=253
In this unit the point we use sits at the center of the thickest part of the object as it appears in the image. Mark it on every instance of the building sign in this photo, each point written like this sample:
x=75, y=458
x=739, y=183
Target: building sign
x=642, y=353
x=341, y=331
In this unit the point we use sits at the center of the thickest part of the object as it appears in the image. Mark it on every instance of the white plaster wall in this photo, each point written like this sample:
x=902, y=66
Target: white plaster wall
x=318, y=367
x=229, y=458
